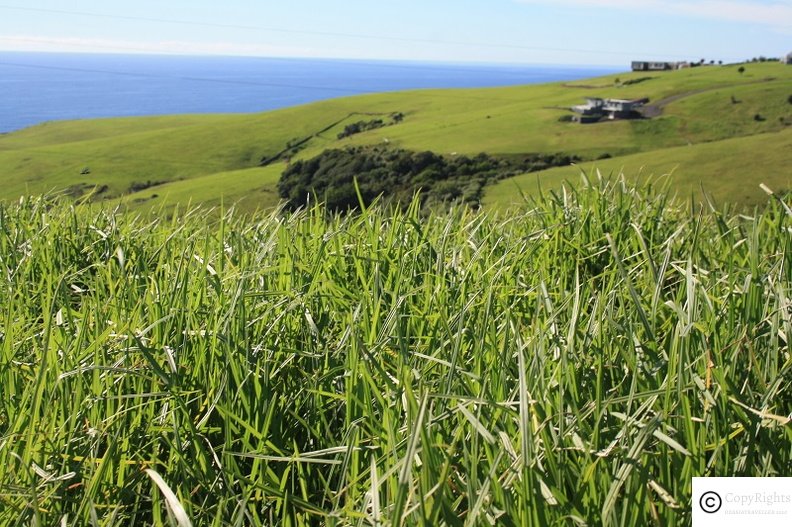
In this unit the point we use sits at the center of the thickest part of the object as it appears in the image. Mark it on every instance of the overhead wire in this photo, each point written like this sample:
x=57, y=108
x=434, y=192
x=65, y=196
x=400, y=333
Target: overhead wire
x=270, y=29
x=386, y=64
x=242, y=82
x=332, y=89
x=363, y=36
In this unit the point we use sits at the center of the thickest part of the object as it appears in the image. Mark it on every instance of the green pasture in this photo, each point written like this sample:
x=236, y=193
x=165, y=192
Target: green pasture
x=118, y=155
x=728, y=171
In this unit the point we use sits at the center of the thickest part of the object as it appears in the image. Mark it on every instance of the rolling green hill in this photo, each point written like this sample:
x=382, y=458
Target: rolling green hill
x=729, y=170
x=158, y=161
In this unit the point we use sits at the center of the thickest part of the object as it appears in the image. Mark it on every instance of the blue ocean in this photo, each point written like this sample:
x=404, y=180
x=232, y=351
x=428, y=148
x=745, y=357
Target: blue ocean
x=38, y=87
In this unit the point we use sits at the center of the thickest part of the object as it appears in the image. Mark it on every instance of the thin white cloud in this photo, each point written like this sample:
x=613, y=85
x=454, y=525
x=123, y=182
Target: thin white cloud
x=776, y=14
x=93, y=45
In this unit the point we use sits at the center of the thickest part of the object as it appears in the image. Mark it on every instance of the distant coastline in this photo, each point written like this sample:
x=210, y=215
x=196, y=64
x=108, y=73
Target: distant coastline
x=40, y=87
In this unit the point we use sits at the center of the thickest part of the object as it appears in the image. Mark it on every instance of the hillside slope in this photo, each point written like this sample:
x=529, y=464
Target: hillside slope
x=121, y=157
x=729, y=170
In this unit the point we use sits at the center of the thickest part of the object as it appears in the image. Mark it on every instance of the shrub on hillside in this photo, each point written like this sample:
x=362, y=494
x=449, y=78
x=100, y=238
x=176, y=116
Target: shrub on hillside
x=397, y=174
x=137, y=186
x=373, y=124
x=361, y=126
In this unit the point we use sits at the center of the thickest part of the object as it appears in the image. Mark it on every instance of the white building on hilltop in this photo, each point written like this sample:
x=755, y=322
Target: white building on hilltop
x=596, y=109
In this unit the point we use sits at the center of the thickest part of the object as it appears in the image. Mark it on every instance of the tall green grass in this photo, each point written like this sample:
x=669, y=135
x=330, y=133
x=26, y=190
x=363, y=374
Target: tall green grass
x=572, y=363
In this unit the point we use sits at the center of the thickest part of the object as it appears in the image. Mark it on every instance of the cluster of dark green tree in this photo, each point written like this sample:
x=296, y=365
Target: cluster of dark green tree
x=363, y=126
x=535, y=162
x=395, y=174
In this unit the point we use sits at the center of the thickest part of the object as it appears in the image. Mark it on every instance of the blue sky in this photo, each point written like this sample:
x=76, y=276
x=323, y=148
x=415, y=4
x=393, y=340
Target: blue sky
x=608, y=32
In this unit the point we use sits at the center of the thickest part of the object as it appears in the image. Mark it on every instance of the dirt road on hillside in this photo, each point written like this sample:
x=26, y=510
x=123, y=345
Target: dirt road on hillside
x=655, y=109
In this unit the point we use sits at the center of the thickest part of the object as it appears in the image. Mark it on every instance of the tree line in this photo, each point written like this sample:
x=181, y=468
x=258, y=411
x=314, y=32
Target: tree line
x=397, y=175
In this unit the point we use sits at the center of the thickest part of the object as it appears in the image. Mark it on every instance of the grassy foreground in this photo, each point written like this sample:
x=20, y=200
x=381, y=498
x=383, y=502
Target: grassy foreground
x=575, y=363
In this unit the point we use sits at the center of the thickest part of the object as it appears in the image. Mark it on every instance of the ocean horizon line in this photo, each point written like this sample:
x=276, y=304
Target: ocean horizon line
x=45, y=86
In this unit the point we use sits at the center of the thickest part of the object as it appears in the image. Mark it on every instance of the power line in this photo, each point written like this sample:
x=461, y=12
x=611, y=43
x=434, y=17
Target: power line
x=390, y=38
x=389, y=64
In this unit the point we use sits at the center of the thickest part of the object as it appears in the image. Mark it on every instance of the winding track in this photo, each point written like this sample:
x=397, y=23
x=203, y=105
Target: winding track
x=656, y=109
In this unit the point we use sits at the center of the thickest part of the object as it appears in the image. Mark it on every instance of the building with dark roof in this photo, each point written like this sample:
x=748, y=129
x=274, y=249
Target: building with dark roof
x=641, y=65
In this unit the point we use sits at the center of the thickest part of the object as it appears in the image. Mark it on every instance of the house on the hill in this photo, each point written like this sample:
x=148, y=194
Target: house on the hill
x=620, y=108
x=595, y=109
x=590, y=112
x=638, y=65
x=593, y=106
